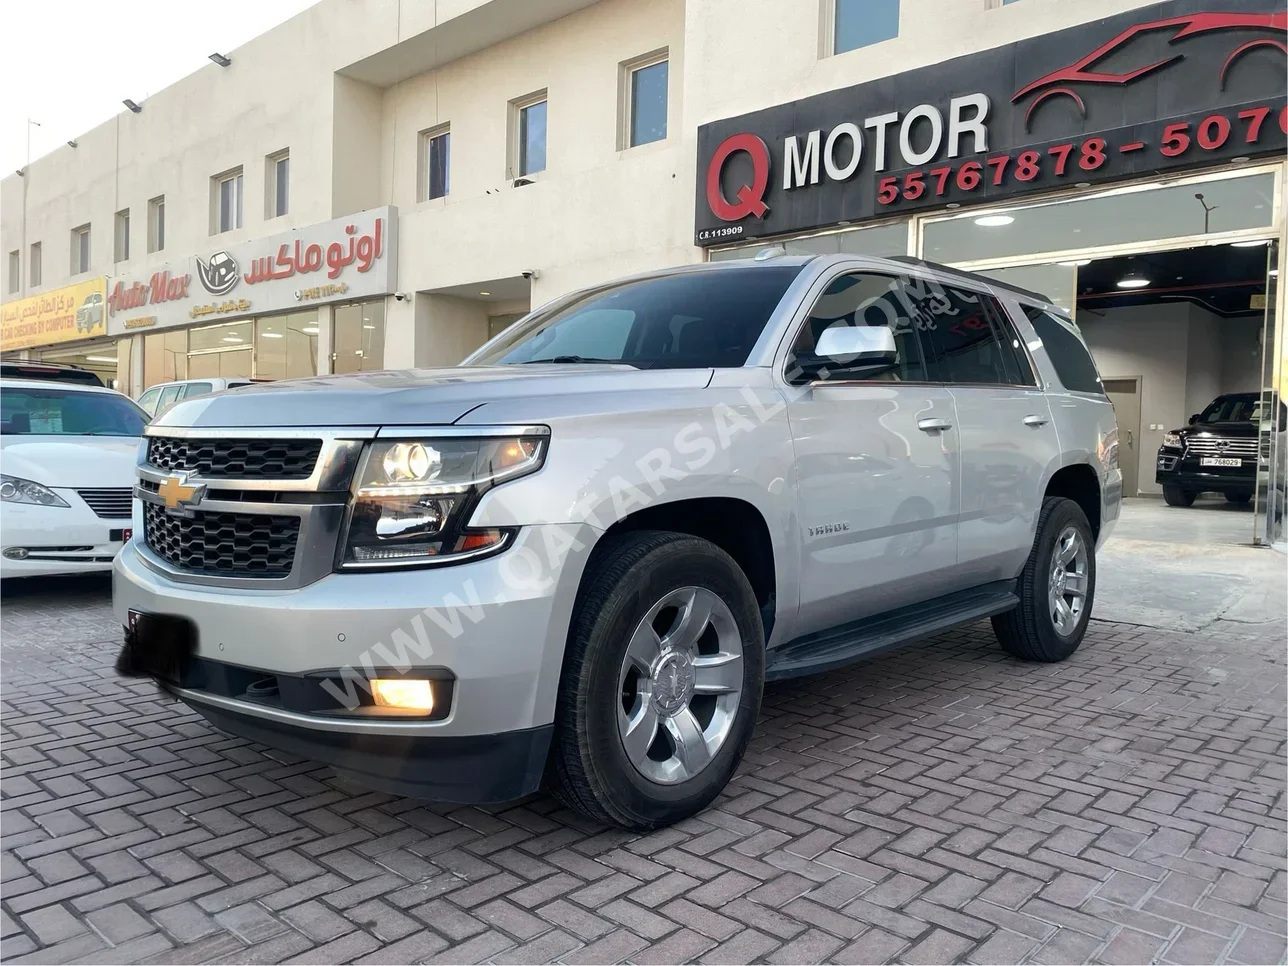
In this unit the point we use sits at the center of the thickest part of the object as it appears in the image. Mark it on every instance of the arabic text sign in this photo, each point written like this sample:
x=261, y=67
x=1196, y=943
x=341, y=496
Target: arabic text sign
x=73, y=312
x=349, y=258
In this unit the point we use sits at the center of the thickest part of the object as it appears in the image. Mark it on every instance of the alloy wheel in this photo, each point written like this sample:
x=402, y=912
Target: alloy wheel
x=680, y=685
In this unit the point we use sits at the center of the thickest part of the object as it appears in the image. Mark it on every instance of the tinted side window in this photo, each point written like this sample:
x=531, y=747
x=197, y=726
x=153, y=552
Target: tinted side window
x=197, y=389
x=866, y=299
x=1072, y=362
x=168, y=397
x=149, y=401
x=1018, y=370
x=966, y=347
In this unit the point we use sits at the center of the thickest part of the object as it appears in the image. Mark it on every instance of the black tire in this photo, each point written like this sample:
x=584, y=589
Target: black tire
x=1175, y=496
x=1241, y=497
x=588, y=769
x=1029, y=632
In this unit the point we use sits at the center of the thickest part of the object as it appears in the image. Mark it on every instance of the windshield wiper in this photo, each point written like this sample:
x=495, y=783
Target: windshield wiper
x=557, y=359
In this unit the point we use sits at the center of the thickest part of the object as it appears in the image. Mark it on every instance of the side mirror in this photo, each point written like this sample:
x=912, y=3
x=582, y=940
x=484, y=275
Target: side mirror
x=854, y=345
x=1194, y=419
x=847, y=351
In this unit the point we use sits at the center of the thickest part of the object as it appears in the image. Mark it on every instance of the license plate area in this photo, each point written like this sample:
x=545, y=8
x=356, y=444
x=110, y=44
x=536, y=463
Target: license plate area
x=1219, y=461
x=159, y=646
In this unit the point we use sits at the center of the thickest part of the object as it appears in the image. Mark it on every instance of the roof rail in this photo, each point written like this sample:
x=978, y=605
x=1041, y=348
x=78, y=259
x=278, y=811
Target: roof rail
x=972, y=276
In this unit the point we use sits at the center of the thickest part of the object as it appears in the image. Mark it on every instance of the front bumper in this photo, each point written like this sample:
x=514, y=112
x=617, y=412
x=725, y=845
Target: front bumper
x=1186, y=473
x=499, y=625
x=58, y=540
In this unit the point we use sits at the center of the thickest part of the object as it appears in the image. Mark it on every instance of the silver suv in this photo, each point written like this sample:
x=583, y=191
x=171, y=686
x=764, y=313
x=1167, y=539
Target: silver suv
x=578, y=557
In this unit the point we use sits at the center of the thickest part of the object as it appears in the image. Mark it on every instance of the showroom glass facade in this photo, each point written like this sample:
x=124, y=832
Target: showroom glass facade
x=358, y=337
x=1047, y=240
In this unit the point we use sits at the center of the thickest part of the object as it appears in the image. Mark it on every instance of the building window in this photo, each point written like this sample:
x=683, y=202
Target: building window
x=861, y=23
x=529, y=134
x=435, y=162
x=226, y=201
x=80, y=250
x=34, y=262
x=644, y=99
x=286, y=346
x=15, y=270
x=156, y=224
x=121, y=244
x=277, y=187
x=358, y=337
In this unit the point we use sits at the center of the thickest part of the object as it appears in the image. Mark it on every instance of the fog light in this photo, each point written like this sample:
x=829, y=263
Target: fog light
x=16, y=553
x=406, y=693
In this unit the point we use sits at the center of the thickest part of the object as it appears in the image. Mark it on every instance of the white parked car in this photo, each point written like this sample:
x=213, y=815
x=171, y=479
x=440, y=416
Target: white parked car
x=161, y=397
x=67, y=459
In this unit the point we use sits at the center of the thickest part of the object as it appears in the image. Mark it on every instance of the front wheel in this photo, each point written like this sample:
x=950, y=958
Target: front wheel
x=1175, y=496
x=1056, y=587
x=1239, y=497
x=661, y=681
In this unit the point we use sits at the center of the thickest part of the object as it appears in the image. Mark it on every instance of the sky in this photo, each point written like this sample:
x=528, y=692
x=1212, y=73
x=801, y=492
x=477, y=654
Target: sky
x=68, y=64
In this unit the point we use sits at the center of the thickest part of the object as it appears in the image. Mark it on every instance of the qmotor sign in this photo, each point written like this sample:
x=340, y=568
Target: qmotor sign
x=342, y=260
x=1179, y=84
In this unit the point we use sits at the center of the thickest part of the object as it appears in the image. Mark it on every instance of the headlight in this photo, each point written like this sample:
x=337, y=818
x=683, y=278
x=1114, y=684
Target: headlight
x=14, y=490
x=413, y=498
x=1172, y=440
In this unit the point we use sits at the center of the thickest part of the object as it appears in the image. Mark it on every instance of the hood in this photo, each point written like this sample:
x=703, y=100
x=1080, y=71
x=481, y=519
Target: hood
x=71, y=461
x=1239, y=430
x=414, y=397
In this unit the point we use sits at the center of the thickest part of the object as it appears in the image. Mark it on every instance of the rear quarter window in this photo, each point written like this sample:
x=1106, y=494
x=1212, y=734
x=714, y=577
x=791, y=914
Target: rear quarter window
x=1072, y=362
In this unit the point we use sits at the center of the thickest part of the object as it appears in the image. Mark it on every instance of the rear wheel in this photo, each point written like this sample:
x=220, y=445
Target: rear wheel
x=1056, y=587
x=1175, y=496
x=661, y=682
x=1239, y=496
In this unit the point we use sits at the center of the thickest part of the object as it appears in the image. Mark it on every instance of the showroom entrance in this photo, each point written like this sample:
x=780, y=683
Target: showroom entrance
x=1175, y=323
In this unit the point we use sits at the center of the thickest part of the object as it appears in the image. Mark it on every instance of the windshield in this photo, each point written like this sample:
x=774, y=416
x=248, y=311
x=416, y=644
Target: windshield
x=1232, y=409
x=693, y=320
x=65, y=412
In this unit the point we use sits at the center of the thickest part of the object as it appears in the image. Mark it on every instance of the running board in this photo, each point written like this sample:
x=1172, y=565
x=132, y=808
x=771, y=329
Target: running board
x=847, y=643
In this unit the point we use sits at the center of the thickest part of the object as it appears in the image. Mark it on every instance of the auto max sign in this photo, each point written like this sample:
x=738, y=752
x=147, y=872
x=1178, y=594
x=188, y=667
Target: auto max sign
x=341, y=260
x=1178, y=84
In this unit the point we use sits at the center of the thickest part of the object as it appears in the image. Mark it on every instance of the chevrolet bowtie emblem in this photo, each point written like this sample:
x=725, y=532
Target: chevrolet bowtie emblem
x=176, y=492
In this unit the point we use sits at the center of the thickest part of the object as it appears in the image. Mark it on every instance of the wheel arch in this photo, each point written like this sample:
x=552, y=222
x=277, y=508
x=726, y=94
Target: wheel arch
x=1080, y=483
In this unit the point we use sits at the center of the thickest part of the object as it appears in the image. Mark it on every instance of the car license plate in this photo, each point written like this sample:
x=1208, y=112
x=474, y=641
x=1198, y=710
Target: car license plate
x=1220, y=461
x=159, y=646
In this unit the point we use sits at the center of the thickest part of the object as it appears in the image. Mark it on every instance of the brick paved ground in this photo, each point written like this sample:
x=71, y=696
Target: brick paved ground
x=944, y=803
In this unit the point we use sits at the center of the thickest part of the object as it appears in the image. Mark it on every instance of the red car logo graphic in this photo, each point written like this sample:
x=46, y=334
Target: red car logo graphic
x=1083, y=71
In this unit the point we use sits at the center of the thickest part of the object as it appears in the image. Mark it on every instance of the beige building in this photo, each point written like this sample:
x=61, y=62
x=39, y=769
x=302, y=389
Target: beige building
x=512, y=150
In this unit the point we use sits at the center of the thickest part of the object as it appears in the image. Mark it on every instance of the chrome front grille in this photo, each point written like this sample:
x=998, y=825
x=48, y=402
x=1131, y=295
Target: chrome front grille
x=226, y=458
x=1215, y=446
x=223, y=544
x=248, y=504
x=110, y=504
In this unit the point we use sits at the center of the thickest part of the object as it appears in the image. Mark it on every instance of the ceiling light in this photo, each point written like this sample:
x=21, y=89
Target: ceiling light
x=269, y=335
x=1249, y=244
x=485, y=293
x=368, y=326
x=1241, y=159
x=1077, y=263
x=994, y=221
x=1274, y=271
x=232, y=338
x=1083, y=184
x=220, y=59
x=954, y=204
x=310, y=330
x=132, y=106
x=100, y=358
x=1133, y=281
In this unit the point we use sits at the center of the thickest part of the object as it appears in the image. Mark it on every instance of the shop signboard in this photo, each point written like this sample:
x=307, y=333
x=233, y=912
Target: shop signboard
x=342, y=260
x=62, y=315
x=1185, y=83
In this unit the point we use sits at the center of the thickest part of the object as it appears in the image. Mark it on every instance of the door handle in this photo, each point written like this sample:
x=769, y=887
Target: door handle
x=1035, y=420
x=932, y=425
x=1131, y=440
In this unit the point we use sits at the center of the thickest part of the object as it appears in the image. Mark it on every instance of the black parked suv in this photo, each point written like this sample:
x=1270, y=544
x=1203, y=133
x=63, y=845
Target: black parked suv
x=1217, y=451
